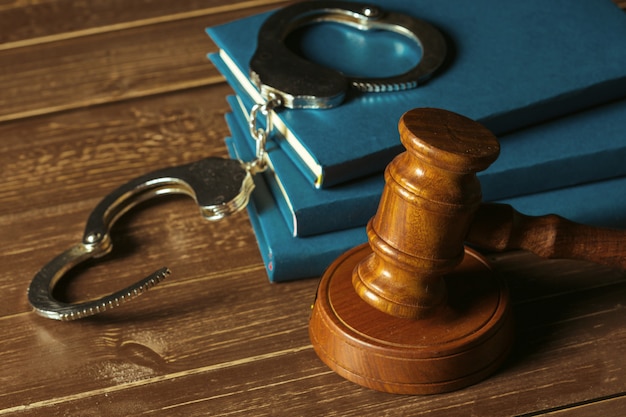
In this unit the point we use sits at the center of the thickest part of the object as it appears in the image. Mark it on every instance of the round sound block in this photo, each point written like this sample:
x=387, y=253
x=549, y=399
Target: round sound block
x=460, y=344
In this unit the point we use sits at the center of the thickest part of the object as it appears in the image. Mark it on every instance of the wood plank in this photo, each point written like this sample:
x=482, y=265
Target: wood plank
x=601, y=407
x=176, y=329
x=69, y=157
x=212, y=359
x=531, y=278
x=171, y=234
x=56, y=168
x=109, y=67
x=27, y=23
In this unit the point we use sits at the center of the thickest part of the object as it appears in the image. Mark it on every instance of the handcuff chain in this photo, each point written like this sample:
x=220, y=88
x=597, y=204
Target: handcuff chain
x=260, y=134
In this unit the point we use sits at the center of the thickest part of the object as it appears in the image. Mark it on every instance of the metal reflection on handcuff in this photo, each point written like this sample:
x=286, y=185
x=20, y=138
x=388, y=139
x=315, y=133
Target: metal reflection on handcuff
x=222, y=186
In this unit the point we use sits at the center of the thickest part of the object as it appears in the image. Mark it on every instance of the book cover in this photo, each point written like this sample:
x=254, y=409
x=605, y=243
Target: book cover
x=306, y=211
x=286, y=257
x=584, y=147
x=601, y=203
x=509, y=67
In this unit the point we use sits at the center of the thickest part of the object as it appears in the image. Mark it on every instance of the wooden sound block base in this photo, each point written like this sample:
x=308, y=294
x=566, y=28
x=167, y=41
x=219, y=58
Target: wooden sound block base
x=460, y=344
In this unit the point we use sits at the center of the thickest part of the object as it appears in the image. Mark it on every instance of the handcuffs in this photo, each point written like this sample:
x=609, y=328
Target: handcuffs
x=222, y=186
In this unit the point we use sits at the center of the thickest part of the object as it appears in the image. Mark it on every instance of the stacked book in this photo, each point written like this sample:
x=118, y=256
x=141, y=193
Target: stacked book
x=548, y=78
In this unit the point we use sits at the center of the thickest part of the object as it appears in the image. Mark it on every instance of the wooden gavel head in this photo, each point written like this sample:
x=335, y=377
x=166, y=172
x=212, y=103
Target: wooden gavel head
x=414, y=311
x=431, y=193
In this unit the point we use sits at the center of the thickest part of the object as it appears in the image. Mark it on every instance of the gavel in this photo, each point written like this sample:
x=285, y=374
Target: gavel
x=416, y=310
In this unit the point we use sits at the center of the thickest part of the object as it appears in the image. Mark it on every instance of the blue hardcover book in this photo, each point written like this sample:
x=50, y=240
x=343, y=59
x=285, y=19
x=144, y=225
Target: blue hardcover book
x=307, y=211
x=286, y=257
x=584, y=147
x=289, y=258
x=511, y=66
x=601, y=204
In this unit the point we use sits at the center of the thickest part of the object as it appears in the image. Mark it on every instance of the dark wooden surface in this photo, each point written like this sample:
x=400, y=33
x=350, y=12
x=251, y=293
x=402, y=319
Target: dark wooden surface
x=96, y=93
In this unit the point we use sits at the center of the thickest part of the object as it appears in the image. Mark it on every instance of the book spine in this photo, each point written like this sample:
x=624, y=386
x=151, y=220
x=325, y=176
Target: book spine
x=288, y=258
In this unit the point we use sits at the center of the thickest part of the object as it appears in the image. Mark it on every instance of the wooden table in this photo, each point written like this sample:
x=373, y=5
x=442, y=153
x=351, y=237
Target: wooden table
x=96, y=93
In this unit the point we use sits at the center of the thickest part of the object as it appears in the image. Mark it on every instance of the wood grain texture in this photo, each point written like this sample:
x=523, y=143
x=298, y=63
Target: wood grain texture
x=466, y=339
x=137, y=362
x=113, y=65
x=27, y=23
x=499, y=227
x=215, y=338
x=431, y=193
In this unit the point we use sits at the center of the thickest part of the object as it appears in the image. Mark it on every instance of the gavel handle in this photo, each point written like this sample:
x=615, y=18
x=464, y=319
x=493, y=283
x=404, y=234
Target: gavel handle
x=499, y=227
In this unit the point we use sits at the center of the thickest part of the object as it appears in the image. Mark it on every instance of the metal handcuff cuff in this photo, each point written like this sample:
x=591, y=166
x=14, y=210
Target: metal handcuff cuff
x=223, y=186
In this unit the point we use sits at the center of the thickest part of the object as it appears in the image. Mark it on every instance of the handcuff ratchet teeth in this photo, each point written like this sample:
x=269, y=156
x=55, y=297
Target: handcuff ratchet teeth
x=220, y=187
x=223, y=186
x=278, y=71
